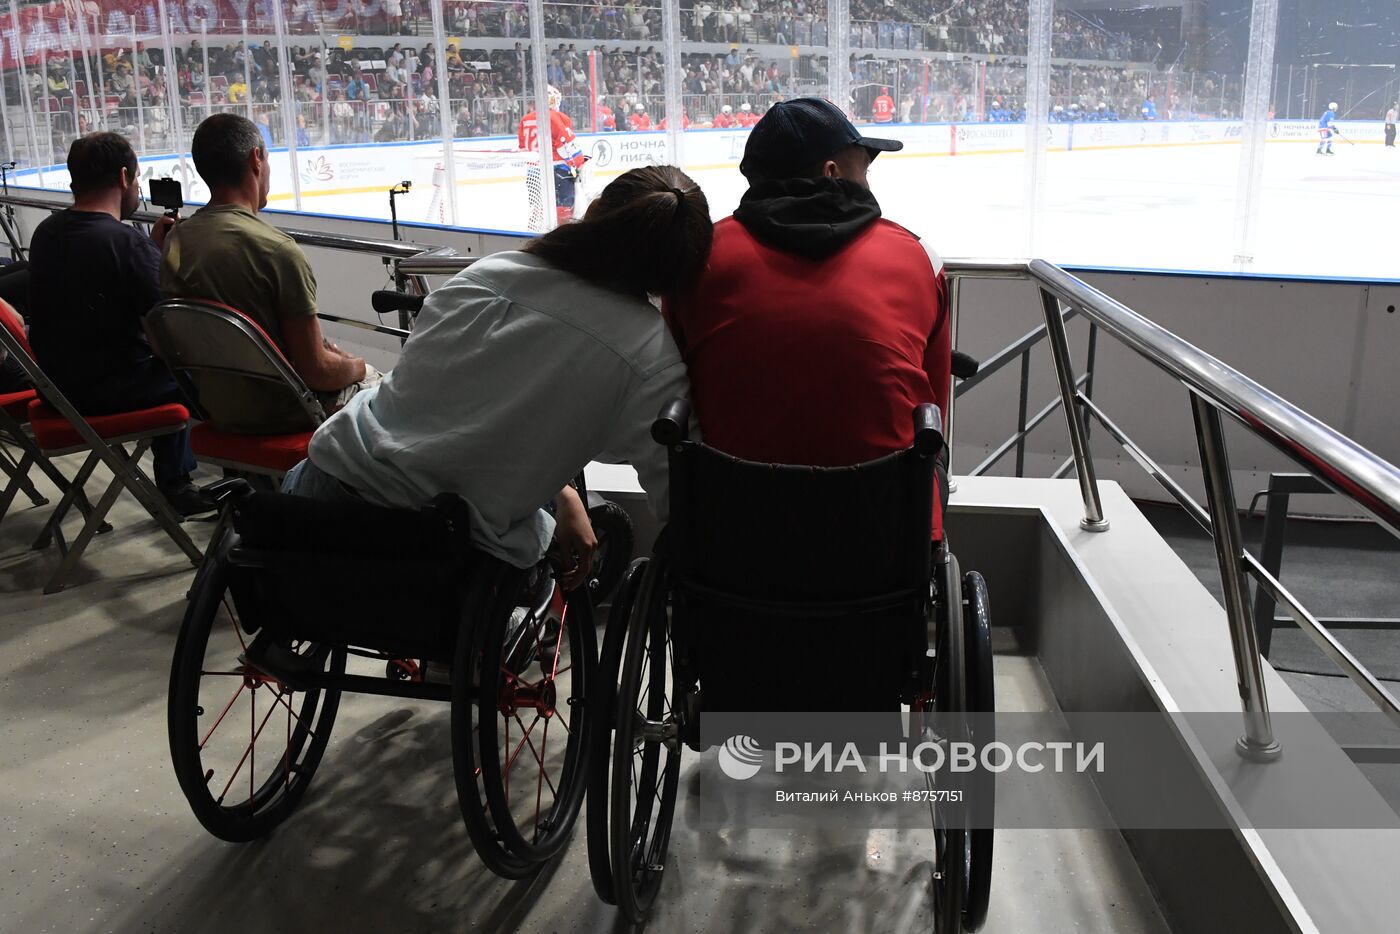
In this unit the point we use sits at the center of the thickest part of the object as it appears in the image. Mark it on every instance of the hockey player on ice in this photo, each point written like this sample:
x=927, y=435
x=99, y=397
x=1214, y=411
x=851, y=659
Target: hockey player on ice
x=1326, y=128
x=568, y=158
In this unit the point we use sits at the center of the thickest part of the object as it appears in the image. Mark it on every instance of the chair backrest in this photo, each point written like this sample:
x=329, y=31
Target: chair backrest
x=793, y=576
x=14, y=324
x=412, y=566
x=237, y=377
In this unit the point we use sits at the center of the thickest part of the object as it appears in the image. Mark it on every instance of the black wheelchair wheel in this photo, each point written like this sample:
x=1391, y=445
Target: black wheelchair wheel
x=231, y=724
x=646, y=754
x=479, y=600
x=950, y=703
x=537, y=652
x=616, y=539
x=603, y=700
x=981, y=695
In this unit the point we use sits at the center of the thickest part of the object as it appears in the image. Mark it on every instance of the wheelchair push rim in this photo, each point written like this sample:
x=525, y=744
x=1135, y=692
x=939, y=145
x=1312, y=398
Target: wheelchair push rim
x=532, y=657
x=244, y=744
x=950, y=698
x=646, y=753
x=600, y=752
x=981, y=697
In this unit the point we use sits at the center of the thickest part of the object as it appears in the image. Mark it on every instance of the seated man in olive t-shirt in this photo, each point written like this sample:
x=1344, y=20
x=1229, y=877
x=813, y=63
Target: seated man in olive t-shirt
x=225, y=253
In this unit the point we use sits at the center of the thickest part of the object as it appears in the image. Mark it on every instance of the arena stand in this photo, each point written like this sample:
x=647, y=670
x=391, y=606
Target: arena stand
x=360, y=75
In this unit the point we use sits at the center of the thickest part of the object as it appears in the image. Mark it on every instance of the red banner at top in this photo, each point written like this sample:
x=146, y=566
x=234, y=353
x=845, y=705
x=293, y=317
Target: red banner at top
x=71, y=25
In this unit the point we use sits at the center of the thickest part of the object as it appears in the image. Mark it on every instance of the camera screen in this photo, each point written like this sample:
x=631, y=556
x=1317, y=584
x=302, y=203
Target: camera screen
x=166, y=193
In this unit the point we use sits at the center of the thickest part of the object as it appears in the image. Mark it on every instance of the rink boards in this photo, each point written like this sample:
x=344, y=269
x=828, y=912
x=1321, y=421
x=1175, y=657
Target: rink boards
x=1136, y=195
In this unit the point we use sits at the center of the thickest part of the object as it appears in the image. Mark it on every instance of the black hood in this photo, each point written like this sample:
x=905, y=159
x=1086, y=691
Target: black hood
x=812, y=217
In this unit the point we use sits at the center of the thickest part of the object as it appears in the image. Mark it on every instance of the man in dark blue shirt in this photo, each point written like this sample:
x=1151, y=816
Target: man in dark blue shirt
x=92, y=279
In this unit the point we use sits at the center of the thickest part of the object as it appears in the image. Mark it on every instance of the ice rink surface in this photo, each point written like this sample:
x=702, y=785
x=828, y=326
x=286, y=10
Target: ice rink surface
x=1168, y=208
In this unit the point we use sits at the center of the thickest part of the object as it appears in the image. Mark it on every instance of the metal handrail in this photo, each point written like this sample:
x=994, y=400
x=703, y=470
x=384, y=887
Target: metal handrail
x=391, y=249
x=1341, y=463
x=1214, y=388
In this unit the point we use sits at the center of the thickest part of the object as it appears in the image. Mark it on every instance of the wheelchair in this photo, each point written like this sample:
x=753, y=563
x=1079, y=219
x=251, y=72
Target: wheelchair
x=295, y=588
x=756, y=583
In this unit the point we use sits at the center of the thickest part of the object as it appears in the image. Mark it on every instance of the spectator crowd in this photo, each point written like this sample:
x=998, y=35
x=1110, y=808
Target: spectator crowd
x=394, y=92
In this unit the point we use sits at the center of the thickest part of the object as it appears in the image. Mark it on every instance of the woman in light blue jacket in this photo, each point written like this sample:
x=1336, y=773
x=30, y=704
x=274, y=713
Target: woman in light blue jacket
x=522, y=369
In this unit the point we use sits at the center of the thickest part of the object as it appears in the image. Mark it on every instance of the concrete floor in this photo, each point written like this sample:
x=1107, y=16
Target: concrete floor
x=99, y=837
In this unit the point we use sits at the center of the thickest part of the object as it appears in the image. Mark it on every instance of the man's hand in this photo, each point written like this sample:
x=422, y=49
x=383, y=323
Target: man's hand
x=159, y=229
x=574, y=540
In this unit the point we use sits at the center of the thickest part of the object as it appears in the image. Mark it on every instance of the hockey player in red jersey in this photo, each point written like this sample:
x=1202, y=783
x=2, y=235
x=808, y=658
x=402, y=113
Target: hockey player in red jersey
x=725, y=118
x=567, y=157
x=606, y=121
x=639, y=119
x=883, y=107
x=685, y=121
x=746, y=115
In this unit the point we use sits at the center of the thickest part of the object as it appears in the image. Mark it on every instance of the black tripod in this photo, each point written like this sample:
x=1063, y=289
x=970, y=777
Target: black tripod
x=8, y=224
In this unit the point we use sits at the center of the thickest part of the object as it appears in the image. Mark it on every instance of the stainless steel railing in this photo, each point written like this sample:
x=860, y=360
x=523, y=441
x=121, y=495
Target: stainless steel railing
x=1216, y=390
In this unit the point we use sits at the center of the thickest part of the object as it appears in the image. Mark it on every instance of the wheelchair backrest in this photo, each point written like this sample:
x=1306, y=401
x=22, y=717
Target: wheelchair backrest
x=800, y=587
x=364, y=575
x=807, y=535
x=231, y=369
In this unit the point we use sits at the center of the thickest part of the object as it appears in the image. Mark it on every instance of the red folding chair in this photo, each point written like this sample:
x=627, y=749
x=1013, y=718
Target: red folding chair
x=14, y=417
x=223, y=358
x=60, y=429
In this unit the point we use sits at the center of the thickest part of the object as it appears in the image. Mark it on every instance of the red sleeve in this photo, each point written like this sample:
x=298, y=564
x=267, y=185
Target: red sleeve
x=938, y=355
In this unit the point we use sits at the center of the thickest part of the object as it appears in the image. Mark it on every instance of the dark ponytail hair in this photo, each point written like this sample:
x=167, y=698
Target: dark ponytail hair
x=649, y=232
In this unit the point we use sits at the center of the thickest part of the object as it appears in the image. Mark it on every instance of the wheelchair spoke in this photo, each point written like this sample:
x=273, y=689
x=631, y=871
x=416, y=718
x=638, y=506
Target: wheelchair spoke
x=541, y=778
x=282, y=699
x=227, y=708
x=538, y=754
x=248, y=753
x=237, y=630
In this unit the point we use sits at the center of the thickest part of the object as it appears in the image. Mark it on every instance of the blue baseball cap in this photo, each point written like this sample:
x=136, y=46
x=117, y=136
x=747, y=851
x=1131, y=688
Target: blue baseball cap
x=793, y=135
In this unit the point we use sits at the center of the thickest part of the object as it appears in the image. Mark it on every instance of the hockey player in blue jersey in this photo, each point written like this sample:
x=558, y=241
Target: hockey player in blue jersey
x=1326, y=128
x=1149, y=108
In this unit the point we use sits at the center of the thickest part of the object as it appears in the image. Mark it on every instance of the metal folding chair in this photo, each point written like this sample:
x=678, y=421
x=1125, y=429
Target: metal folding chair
x=223, y=359
x=59, y=428
x=14, y=417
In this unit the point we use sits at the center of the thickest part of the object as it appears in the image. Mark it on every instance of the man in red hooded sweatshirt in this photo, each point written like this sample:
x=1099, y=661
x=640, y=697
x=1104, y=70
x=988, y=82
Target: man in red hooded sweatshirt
x=817, y=325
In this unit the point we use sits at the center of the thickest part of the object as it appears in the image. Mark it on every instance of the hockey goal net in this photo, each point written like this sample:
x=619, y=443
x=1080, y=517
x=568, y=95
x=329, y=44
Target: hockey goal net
x=499, y=188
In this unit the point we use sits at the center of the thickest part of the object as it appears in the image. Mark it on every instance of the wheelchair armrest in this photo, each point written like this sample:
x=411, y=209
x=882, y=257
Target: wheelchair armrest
x=928, y=430
x=672, y=426
x=386, y=301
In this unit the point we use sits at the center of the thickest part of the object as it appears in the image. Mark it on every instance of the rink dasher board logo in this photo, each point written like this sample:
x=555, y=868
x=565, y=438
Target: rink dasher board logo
x=631, y=152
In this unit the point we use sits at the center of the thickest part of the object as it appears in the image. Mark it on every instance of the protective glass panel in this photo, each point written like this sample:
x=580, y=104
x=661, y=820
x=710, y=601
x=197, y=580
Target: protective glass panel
x=1143, y=136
